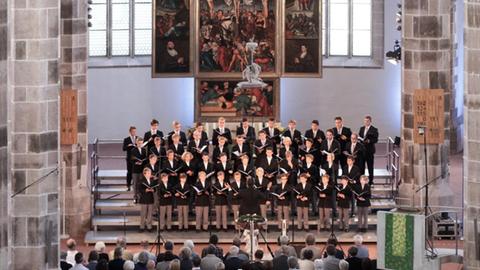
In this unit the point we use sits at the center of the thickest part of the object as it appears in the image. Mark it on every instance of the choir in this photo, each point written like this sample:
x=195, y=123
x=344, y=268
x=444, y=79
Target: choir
x=294, y=172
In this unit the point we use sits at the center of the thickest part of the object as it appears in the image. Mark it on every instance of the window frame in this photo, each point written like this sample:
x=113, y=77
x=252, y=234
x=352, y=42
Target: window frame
x=350, y=32
x=374, y=60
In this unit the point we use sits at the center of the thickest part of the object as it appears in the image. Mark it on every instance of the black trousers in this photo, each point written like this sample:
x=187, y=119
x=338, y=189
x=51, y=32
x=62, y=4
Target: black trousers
x=369, y=158
x=129, y=172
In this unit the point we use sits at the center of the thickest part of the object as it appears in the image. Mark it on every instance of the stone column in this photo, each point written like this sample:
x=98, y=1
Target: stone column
x=73, y=75
x=427, y=64
x=471, y=158
x=33, y=55
x=4, y=257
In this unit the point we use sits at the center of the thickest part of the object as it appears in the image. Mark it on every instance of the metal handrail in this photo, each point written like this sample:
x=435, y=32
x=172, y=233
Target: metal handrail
x=432, y=216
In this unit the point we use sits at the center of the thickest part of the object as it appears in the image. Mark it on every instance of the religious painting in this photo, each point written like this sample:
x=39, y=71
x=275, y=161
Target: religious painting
x=222, y=97
x=223, y=29
x=302, y=38
x=172, y=52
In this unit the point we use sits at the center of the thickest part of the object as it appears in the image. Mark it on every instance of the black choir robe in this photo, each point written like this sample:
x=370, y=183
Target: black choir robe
x=236, y=187
x=226, y=133
x=186, y=190
x=296, y=137
x=317, y=138
x=144, y=196
x=148, y=135
x=139, y=159
x=183, y=137
x=305, y=192
x=275, y=136
x=347, y=191
x=279, y=189
x=249, y=134
x=327, y=190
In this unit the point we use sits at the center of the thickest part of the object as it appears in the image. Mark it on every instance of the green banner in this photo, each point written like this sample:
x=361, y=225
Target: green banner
x=399, y=242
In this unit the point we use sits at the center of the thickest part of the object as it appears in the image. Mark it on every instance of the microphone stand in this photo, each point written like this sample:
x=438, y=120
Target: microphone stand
x=159, y=237
x=428, y=241
x=211, y=199
x=266, y=243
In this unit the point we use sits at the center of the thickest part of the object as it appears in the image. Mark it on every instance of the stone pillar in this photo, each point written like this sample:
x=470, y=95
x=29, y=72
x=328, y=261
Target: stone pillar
x=4, y=256
x=73, y=75
x=471, y=158
x=33, y=55
x=427, y=64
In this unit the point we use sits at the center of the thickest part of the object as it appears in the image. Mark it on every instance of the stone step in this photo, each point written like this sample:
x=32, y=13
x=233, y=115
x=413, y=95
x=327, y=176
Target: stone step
x=121, y=174
x=382, y=204
x=134, y=237
x=112, y=174
x=117, y=204
x=113, y=189
x=116, y=221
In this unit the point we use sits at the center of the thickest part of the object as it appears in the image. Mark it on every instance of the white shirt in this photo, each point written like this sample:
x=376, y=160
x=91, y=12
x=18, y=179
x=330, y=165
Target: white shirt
x=269, y=160
x=271, y=132
x=71, y=256
x=329, y=144
x=353, y=147
x=365, y=131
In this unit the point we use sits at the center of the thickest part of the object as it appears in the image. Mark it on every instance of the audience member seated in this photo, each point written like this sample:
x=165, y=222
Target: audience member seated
x=362, y=250
x=339, y=254
x=79, y=260
x=151, y=265
x=196, y=263
x=280, y=260
x=213, y=241
x=310, y=245
x=307, y=262
x=103, y=265
x=92, y=260
x=283, y=241
x=318, y=264
x=100, y=248
x=144, y=244
x=233, y=262
x=142, y=261
x=129, y=265
x=368, y=264
x=292, y=263
x=164, y=259
x=220, y=266
x=122, y=242
x=118, y=261
x=185, y=256
x=189, y=244
x=64, y=265
x=257, y=263
x=343, y=265
x=210, y=260
x=72, y=250
x=331, y=261
x=174, y=265
x=241, y=253
x=354, y=262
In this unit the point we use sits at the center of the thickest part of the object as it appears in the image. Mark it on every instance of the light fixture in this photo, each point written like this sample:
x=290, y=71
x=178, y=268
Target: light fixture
x=395, y=55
